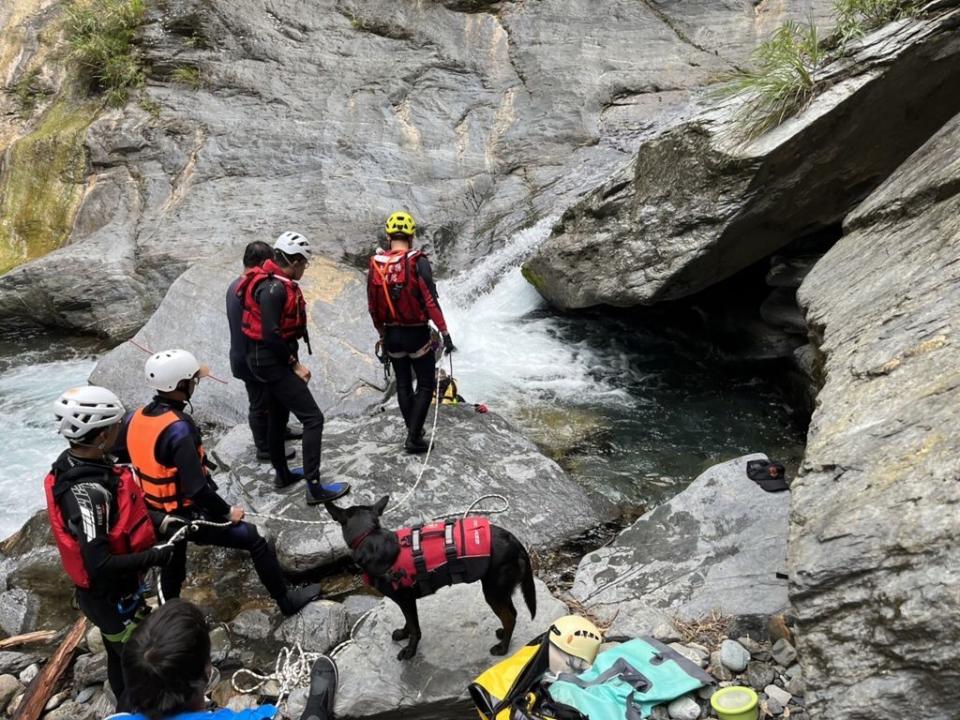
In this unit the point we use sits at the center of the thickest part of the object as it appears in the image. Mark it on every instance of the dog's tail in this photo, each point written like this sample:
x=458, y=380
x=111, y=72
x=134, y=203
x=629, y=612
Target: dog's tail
x=526, y=585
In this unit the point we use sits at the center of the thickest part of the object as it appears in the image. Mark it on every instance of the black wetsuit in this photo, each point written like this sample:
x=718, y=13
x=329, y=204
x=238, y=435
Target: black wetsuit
x=256, y=391
x=113, y=601
x=411, y=355
x=271, y=361
x=177, y=447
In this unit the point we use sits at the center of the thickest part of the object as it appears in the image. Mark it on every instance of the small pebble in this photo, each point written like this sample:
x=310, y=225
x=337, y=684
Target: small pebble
x=56, y=701
x=706, y=692
x=87, y=693
x=717, y=669
x=773, y=707
x=684, y=708
x=690, y=654
x=750, y=644
x=796, y=685
x=778, y=694
x=666, y=632
x=784, y=653
x=29, y=673
x=734, y=656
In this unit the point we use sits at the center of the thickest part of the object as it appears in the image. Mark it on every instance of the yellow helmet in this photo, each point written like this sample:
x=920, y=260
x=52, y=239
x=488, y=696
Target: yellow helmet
x=401, y=222
x=576, y=636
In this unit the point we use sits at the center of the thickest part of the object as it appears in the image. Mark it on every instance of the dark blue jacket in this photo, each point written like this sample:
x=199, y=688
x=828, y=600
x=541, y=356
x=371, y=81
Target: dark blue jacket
x=238, y=341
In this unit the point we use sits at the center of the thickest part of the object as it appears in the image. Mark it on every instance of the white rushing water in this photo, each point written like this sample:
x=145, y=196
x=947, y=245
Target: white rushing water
x=508, y=354
x=30, y=439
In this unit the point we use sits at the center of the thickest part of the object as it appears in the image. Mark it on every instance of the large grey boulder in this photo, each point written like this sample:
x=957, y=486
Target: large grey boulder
x=699, y=203
x=326, y=116
x=474, y=455
x=718, y=545
x=458, y=632
x=875, y=542
x=346, y=375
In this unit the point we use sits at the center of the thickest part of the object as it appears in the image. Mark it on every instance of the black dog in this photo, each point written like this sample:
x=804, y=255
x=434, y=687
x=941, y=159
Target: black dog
x=375, y=549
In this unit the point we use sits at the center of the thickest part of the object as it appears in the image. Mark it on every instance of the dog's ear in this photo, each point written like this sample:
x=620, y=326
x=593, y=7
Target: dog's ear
x=336, y=513
x=381, y=505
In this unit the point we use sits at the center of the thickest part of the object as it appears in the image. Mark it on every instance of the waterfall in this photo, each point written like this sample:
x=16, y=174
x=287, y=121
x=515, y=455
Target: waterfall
x=511, y=353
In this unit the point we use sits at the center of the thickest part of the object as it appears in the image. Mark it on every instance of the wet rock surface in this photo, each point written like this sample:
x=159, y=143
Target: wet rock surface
x=718, y=545
x=874, y=537
x=474, y=455
x=347, y=377
x=458, y=630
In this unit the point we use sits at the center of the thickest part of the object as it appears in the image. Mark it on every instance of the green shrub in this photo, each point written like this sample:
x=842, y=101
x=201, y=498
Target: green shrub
x=854, y=18
x=101, y=35
x=187, y=75
x=781, y=80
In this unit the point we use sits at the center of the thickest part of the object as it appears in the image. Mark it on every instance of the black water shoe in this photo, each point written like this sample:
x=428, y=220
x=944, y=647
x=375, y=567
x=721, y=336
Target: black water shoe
x=296, y=598
x=324, y=678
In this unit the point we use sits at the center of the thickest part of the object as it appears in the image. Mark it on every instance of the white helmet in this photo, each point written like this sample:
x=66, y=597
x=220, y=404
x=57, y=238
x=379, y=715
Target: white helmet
x=167, y=368
x=82, y=409
x=291, y=243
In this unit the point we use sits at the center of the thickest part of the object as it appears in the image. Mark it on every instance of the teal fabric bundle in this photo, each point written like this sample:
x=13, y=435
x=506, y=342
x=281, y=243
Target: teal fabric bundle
x=627, y=681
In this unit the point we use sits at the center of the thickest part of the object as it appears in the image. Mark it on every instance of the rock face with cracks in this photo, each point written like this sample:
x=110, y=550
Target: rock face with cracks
x=874, y=559
x=347, y=377
x=324, y=117
x=474, y=455
x=698, y=203
x=458, y=630
x=719, y=544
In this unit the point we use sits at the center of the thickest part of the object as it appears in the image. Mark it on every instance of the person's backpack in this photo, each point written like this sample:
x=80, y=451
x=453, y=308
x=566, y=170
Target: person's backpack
x=768, y=474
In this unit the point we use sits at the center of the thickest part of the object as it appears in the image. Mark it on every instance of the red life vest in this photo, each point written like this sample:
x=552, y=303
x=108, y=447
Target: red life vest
x=436, y=555
x=131, y=531
x=395, y=294
x=293, y=320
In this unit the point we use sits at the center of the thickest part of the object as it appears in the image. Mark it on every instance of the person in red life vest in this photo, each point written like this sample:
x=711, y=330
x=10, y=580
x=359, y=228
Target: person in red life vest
x=402, y=299
x=165, y=447
x=254, y=255
x=100, y=523
x=274, y=320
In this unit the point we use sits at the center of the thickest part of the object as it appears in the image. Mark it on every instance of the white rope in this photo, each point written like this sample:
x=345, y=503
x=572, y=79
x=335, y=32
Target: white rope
x=426, y=458
x=506, y=506
x=291, y=670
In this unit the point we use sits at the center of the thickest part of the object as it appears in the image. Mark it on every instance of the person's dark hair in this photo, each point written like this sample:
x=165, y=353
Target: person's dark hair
x=165, y=661
x=256, y=253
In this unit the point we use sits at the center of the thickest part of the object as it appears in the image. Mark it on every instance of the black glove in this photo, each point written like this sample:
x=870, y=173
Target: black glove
x=159, y=556
x=448, y=346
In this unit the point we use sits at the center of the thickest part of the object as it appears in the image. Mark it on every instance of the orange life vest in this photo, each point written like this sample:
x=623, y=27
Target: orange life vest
x=160, y=483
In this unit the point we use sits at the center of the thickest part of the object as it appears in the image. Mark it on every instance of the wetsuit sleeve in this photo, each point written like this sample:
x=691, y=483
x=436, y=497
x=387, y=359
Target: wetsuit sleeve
x=428, y=291
x=271, y=297
x=86, y=508
x=177, y=447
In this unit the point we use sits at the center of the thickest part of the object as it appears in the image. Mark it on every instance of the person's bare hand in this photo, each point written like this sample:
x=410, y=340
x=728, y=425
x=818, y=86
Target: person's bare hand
x=302, y=371
x=236, y=514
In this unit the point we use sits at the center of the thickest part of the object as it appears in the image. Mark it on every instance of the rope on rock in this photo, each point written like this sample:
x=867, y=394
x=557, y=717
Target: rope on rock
x=433, y=433
x=290, y=671
x=501, y=498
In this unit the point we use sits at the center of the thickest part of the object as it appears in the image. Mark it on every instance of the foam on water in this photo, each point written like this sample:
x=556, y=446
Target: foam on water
x=31, y=443
x=510, y=353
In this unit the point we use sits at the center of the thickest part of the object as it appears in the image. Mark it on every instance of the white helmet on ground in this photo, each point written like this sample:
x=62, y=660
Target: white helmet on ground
x=167, y=368
x=291, y=243
x=83, y=409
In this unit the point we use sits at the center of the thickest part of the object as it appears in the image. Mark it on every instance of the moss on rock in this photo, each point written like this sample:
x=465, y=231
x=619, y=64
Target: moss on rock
x=42, y=184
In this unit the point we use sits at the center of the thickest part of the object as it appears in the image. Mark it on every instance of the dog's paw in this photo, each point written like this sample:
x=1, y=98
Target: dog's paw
x=406, y=653
x=499, y=649
x=400, y=634
x=499, y=633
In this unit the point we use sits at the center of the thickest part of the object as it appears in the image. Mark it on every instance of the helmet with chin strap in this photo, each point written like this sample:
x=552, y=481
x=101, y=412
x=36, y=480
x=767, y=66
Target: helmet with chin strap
x=167, y=368
x=81, y=410
x=292, y=244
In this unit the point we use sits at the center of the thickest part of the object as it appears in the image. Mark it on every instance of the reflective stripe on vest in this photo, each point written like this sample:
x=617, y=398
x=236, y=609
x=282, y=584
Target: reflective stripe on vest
x=160, y=483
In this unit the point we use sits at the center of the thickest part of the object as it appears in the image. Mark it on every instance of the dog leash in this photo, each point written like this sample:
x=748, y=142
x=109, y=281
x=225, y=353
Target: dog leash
x=291, y=670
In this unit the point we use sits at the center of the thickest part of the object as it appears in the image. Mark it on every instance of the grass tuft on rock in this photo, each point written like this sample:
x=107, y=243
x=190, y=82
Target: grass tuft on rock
x=782, y=79
x=187, y=75
x=855, y=18
x=101, y=35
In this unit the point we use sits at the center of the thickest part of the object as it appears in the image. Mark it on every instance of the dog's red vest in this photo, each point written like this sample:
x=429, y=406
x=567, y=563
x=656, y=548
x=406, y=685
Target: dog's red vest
x=436, y=555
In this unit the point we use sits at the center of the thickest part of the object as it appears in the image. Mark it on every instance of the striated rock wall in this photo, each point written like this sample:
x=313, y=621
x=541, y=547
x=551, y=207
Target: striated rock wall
x=875, y=541
x=697, y=204
x=325, y=116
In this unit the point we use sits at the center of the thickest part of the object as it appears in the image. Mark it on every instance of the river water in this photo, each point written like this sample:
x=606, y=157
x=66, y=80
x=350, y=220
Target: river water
x=627, y=413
